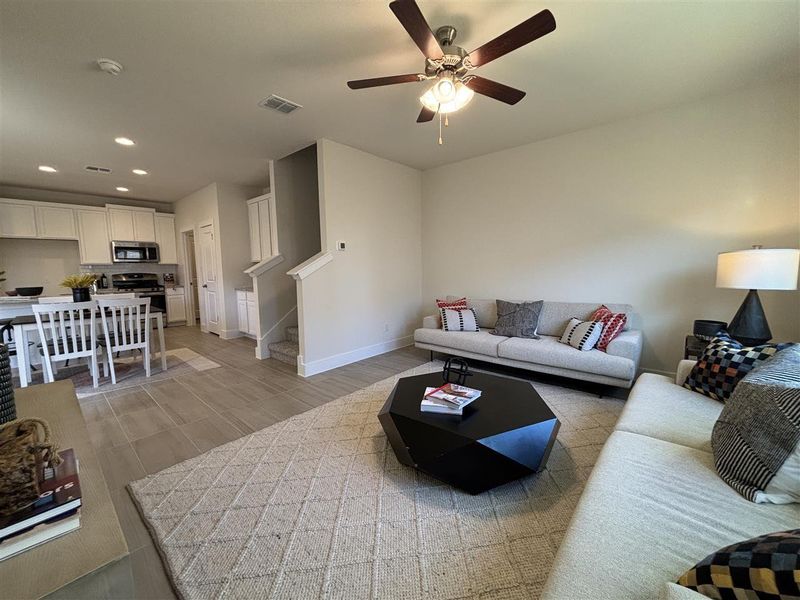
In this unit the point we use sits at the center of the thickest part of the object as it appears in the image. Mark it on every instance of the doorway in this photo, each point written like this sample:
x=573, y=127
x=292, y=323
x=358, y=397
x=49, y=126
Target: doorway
x=190, y=276
x=208, y=291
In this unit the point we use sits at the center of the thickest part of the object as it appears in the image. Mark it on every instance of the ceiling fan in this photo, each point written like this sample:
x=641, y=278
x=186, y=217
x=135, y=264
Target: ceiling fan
x=452, y=67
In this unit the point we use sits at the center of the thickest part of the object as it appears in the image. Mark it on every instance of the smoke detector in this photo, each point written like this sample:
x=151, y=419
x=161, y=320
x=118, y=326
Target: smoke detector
x=282, y=105
x=109, y=66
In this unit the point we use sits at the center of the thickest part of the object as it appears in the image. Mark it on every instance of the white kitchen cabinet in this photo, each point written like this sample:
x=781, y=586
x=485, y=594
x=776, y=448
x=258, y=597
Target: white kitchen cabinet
x=17, y=219
x=56, y=223
x=144, y=226
x=247, y=312
x=165, y=237
x=241, y=311
x=94, y=241
x=131, y=224
x=261, y=216
x=255, y=238
x=121, y=224
x=176, y=305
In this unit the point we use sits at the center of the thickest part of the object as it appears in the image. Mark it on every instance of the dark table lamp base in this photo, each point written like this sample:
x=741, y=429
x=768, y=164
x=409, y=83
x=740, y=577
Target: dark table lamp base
x=749, y=325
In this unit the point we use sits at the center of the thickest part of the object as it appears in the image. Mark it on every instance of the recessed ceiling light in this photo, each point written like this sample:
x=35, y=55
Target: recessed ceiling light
x=139, y=172
x=47, y=169
x=123, y=141
x=122, y=189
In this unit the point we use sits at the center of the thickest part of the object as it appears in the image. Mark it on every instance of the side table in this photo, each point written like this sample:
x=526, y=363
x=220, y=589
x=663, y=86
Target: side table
x=693, y=347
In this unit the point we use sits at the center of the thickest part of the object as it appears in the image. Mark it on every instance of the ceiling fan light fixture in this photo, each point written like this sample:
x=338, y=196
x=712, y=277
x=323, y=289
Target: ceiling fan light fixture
x=460, y=99
x=445, y=88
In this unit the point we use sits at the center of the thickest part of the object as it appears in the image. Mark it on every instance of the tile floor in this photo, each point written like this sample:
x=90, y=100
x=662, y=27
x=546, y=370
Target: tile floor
x=146, y=428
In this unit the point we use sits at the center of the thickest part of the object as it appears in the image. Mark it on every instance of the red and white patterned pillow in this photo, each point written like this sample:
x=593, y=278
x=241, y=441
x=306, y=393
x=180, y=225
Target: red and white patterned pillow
x=461, y=303
x=613, y=324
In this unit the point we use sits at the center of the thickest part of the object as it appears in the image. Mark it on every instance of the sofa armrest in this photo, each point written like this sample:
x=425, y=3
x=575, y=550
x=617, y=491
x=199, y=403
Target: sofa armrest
x=627, y=344
x=684, y=368
x=431, y=322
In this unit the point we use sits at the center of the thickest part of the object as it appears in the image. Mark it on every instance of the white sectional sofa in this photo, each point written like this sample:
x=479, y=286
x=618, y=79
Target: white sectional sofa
x=654, y=505
x=546, y=355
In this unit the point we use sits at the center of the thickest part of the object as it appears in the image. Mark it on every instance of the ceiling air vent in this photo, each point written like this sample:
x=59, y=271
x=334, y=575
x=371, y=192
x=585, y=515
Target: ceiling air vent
x=101, y=170
x=282, y=105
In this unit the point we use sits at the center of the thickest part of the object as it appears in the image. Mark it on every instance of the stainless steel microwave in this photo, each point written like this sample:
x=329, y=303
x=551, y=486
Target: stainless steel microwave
x=134, y=252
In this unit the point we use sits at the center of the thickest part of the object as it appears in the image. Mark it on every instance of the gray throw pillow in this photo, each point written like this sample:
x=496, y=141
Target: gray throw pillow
x=518, y=319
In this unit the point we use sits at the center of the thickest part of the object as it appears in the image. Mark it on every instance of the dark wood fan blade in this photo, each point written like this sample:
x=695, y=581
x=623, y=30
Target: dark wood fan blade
x=538, y=25
x=495, y=90
x=378, y=81
x=425, y=115
x=411, y=18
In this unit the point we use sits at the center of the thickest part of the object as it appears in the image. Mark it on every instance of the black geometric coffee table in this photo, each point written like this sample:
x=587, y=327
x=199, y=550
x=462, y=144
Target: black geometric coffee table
x=505, y=434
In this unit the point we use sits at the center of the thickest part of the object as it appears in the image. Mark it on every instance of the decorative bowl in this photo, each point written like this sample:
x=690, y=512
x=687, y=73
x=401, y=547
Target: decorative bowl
x=29, y=291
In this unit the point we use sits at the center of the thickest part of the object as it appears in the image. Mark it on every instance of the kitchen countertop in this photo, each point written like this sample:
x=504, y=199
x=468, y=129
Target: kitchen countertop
x=19, y=299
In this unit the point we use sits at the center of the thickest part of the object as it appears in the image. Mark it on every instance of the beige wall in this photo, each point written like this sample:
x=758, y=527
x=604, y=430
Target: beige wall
x=367, y=300
x=225, y=206
x=29, y=263
x=297, y=207
x=234, y=237
x=634, y=211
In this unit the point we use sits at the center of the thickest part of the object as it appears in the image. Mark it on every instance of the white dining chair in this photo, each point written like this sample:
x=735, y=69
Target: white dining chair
x=126, y=326
x=67, y=331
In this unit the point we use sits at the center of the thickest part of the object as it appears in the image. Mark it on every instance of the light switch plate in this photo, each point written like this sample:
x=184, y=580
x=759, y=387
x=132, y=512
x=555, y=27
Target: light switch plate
x=340, y=246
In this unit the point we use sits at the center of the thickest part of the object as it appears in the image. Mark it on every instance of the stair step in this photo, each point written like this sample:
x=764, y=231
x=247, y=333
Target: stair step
x=285, y=351
x=293, y=334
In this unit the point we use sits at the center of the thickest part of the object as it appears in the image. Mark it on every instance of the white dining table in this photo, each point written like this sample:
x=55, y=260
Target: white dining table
x=23, y=325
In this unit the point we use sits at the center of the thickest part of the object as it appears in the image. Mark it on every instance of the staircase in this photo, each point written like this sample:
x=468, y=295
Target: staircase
x=287, y=350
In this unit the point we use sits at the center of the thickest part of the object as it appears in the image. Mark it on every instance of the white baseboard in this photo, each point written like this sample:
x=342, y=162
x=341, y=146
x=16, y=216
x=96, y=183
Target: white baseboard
x=229, y=334
x=339, y=360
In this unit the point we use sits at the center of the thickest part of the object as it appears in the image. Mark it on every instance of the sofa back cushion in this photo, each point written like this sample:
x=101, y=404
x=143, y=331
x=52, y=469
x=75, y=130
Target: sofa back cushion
x=554, y=316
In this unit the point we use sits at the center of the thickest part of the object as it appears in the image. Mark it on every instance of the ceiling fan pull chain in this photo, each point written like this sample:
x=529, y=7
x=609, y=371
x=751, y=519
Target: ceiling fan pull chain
x=440, y=129
x=446, y=122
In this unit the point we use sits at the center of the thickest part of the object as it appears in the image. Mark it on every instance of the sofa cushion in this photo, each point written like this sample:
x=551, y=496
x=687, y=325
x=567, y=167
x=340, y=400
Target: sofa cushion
x=480, y=342
x=459, y=319
x=549, y=351
x=582, y=335
x=518, y=319
x=485, y=310
x=652, y=407
x=650, y=510
x=556, y=315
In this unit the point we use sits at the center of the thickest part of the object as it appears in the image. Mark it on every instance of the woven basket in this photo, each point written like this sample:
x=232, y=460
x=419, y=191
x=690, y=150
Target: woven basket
x=25, y=448
x=8, y=410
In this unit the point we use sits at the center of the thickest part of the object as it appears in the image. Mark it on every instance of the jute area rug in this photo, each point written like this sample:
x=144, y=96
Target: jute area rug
x=318, y=506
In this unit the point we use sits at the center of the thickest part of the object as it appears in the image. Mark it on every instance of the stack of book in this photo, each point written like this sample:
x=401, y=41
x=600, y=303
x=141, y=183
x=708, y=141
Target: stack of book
x=449, y=399
x=56, y=512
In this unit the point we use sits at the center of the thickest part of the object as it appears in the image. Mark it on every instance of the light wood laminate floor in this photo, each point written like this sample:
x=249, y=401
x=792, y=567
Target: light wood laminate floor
x=147, y=428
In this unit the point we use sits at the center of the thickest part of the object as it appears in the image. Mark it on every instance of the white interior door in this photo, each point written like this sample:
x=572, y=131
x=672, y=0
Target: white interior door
x=209, y=292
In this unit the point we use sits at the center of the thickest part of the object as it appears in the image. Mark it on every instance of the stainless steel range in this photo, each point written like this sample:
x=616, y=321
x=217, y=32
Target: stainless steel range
x=144, y=285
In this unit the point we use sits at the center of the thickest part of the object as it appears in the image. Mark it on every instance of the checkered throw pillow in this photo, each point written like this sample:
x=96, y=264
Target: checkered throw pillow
x=724, y=363
x=765, y=567
x=459, y=319
x=613, y=324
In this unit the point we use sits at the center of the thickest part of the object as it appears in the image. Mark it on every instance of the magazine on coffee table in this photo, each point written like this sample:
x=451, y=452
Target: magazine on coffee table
x=448, y=399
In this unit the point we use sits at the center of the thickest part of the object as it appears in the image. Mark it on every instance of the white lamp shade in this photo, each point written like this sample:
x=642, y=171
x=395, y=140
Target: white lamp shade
x=758, y=269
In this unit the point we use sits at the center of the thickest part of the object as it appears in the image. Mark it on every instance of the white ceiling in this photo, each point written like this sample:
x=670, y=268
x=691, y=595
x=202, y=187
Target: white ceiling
x=194, y=72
